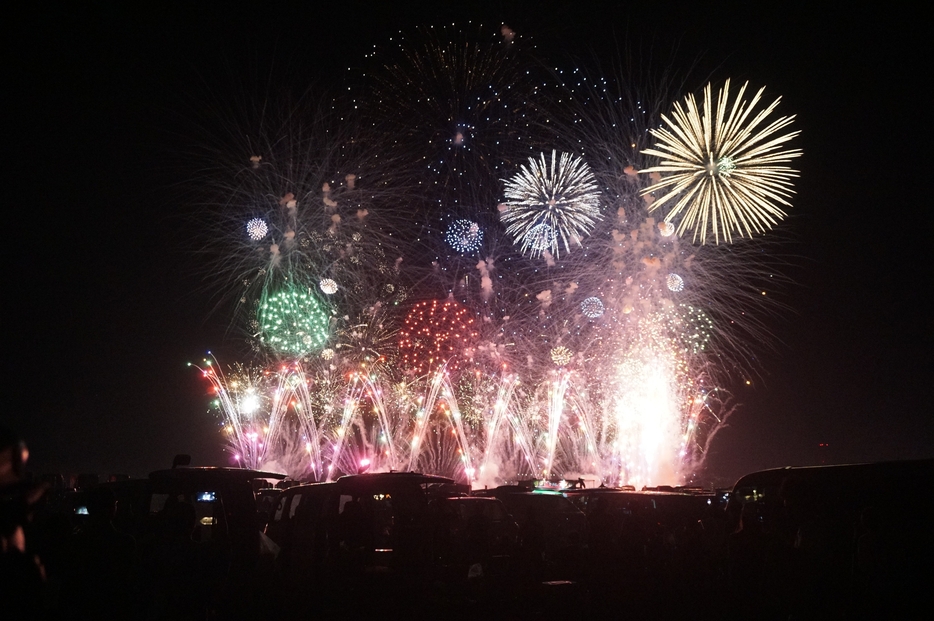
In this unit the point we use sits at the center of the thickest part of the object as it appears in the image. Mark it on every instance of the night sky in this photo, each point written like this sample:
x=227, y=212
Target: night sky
x=104, y=303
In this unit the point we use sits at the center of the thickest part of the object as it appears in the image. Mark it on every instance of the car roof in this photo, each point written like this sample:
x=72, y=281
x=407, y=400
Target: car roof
x=469, y=499
x=377, y=478
x=383, y=477
x=212, y=474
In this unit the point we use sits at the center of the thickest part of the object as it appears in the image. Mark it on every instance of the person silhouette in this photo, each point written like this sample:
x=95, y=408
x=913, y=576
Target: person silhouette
x=22, y=575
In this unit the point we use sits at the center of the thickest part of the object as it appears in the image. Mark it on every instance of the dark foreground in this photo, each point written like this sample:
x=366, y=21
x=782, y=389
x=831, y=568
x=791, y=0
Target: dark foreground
x=840, y=542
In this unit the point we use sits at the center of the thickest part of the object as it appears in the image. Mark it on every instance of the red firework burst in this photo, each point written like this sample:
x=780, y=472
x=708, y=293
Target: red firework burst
x=437, y=332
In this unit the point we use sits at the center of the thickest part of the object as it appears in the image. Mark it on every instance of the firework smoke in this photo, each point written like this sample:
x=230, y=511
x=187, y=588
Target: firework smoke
x=405, y=316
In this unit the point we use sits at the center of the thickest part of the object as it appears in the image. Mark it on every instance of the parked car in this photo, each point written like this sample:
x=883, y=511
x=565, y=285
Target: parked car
x=362, y=534
x=469, y=535
x=553, y=532
x=266, y=499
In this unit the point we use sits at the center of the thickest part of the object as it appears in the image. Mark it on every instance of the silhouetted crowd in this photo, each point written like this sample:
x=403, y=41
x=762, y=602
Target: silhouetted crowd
x=845, y=542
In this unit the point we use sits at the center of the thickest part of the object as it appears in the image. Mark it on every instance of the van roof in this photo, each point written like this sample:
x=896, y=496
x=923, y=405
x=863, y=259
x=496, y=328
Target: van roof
x=870, y=472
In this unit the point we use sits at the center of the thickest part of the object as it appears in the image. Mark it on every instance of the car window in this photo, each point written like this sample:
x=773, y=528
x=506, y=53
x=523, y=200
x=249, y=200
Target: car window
x=157, y=502
x=209, y=514
x=206, y=506
x=296, y=500
x=495, y=511
x=280, y=508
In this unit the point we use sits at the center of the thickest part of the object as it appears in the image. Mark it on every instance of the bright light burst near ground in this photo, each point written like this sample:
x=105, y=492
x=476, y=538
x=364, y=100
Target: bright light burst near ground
x=559, y=197
x=725, y=167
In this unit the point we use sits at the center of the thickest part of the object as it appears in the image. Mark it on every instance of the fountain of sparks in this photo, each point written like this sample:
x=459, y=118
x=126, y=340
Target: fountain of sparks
x=314, y=429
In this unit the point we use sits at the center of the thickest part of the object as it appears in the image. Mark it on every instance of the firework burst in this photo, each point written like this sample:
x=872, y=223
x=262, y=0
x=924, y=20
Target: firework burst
x=550, y=206
x=291, y=199
x=465, y=114
x=437, y=334
x=725, y=168
x=292, y=321
x=580, y=333
x=464, y=236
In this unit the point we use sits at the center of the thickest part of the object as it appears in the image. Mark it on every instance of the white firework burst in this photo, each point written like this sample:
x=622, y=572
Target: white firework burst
x=675, y=283
x=464, y=236
x=592, y=307
x=257, y=229
x=559, y=197
x=725, y=167
x=540, y=238
x=328, y=286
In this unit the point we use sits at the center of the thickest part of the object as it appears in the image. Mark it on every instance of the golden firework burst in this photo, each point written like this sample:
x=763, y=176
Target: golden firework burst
x=723, y=167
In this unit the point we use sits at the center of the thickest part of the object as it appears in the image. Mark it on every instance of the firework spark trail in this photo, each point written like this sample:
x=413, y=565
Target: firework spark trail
x=240, y=404
x=349, y=412
x=468, y=110
x=464, y=448
x=297, y=204
x=556, y=406
x=387, y=458
x=423, y=417
x=299, y=388
x=470, y=113
x=581, y=445
x=500, y=420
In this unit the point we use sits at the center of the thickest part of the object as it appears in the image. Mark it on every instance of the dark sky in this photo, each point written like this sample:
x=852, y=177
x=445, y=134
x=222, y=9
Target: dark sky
x=104, y=307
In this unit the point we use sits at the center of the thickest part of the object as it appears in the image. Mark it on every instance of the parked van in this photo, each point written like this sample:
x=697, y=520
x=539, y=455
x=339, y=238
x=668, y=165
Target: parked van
x=824, y=539
x=366, y=523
